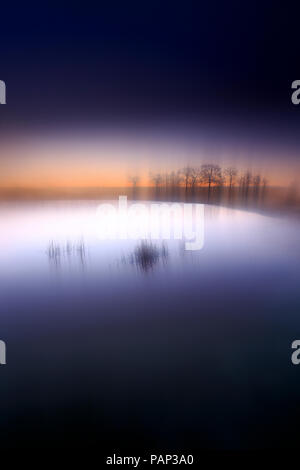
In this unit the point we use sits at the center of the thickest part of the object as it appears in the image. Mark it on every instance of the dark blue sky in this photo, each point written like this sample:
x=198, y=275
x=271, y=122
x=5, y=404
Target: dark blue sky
x=82, y=62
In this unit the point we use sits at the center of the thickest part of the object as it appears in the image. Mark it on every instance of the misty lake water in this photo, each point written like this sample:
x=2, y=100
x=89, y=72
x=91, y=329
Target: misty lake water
x=109, y=346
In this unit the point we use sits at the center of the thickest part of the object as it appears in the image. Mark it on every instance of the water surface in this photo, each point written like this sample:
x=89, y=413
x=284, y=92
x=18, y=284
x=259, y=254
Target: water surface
x=127, y=343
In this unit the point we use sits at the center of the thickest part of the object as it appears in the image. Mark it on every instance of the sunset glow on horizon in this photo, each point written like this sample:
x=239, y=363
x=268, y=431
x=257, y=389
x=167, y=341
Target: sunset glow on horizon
x=109, y=161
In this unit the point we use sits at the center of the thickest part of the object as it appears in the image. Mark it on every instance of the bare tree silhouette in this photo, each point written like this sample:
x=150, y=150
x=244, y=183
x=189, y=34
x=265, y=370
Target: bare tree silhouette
x=245, y=182
x=231, y=173
x=264, y=189
x=134, y=180
x=256, y=186
x=195, y=178
x=248, y=181
x=157, y=180
x=211, y=175
x=186, y=173
x=173, y=181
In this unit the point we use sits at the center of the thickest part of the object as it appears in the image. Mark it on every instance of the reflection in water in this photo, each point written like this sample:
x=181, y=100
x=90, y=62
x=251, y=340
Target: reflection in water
x=146, y=255
x=56, y=252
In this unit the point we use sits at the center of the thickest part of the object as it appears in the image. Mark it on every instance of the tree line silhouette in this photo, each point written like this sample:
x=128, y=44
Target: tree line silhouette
x=210, y=180
x=210, y=183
